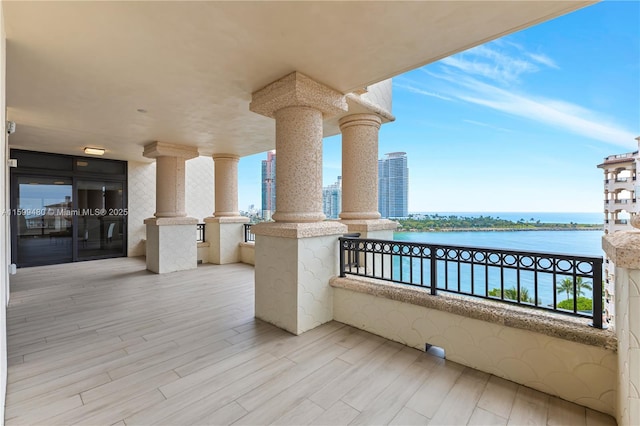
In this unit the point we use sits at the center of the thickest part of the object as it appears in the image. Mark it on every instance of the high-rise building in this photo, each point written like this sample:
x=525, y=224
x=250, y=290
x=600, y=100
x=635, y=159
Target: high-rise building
x=332, y=199
x=269, y=185
x=393, y=185
x=621, y=199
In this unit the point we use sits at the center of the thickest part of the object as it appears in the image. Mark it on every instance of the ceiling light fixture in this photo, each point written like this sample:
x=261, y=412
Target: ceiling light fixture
x=94, y=151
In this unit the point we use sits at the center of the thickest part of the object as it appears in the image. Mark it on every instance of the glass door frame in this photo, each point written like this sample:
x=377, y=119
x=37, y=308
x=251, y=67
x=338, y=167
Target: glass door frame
x=75, y=175
x=15, y=216
x=76, y=252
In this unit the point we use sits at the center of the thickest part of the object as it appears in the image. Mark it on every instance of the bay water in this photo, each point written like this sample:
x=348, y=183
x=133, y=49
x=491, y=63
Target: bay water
x=578, y=242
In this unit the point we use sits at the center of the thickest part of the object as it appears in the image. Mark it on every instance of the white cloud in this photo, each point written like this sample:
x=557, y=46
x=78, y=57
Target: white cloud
x=544, y=60
x=556, y=113
x=479, y=75
x=419, y=91
x=492, y=64
x=479, y=123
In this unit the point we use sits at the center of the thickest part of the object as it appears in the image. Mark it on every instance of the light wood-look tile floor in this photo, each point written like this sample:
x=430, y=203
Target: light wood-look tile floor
x=108, y=343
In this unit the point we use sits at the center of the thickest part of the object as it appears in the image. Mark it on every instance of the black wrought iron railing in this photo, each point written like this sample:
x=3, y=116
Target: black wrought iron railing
x=554, y=282
x=200, y=235
x=248, y=235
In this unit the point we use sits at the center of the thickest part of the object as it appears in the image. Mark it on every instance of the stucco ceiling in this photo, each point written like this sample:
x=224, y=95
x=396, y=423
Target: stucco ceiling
x=78, y=72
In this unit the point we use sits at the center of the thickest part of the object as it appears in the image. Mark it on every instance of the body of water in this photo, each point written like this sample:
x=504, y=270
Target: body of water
x=565, y=242
x=545, y=217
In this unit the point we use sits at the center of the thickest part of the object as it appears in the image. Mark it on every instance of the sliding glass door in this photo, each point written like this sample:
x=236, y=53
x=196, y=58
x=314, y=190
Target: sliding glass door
x=66, y=208
x=100, y=218
x=44, y=220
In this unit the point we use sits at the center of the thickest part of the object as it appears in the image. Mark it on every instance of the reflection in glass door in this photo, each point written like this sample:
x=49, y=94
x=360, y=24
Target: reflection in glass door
x=44, y=220
x=101, y=219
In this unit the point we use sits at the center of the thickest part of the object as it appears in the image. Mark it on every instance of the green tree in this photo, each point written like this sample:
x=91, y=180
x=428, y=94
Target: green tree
x=512, y=294
x=584, y=304
x=566, y=285
x=580, y=284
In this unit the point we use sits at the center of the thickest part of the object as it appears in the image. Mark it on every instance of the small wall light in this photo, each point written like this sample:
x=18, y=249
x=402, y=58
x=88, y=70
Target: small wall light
x=94, y=151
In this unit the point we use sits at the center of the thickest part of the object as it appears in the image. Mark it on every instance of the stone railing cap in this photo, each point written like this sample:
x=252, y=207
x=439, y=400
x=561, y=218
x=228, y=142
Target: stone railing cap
x=299, y=230
x=623, y=248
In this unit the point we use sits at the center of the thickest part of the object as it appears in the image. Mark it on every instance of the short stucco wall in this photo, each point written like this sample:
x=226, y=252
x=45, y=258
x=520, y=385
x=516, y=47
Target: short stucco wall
x=552, y=361
x=248, y=253
x=203, y=252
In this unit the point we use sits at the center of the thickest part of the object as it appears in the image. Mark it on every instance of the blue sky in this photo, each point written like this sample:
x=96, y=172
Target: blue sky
x=517, y=124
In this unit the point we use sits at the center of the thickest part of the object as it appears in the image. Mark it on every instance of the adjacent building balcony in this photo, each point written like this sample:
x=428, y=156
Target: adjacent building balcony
x=617, y=184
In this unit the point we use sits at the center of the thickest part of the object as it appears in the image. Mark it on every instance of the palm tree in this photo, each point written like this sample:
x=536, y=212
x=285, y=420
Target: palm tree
x=580, y=285
x=566, y=285
x=512, y=294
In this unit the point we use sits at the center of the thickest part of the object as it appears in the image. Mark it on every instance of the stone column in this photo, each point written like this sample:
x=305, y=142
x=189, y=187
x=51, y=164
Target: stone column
x=360, y=177
x=297, y=255
x=171, y=235
x=623, y=248
x=225, y=229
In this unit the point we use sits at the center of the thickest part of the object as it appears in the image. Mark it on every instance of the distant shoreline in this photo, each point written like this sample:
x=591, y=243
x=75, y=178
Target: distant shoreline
x=549, y=228
x=453, y=223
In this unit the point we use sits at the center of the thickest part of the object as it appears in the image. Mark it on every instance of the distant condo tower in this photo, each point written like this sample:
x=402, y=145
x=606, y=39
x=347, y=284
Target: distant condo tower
x=621, y=199
x=269, y=185
x=393, y=185
x=332, y=199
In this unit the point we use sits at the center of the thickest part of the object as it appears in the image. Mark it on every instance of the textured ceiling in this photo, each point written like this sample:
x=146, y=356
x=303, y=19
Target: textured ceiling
x=77, y=72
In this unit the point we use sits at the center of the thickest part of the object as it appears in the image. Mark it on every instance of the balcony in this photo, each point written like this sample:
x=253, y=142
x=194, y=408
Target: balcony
x=626, y=183
x=620, y=157
x=106, y=342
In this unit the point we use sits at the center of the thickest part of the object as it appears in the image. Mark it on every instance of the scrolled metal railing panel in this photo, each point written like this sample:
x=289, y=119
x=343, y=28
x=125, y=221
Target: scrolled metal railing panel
x=532, y=279
x=200, y=232
x=248, y=235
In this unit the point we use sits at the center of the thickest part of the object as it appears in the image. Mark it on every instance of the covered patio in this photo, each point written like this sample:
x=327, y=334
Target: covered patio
x=108, y=342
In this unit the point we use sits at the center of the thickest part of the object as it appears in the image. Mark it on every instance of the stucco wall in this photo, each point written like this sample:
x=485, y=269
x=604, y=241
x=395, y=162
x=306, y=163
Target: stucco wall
x=248, y=253
x=573, y=371
x=380, y=94
x=297, y=297
x=142, y=197
x=628, y=331
x=224, y=236
x=199, y=201
x=203, y=252
x=141, y=203
x=171, y=248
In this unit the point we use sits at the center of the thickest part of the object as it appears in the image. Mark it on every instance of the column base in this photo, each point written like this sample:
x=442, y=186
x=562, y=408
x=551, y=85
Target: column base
x=224, y=235
x=381, y=229
x=171, y=244
x=293, y=265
